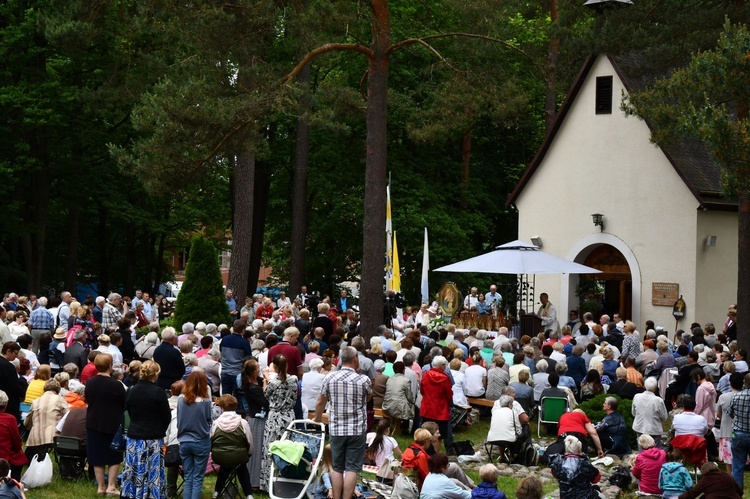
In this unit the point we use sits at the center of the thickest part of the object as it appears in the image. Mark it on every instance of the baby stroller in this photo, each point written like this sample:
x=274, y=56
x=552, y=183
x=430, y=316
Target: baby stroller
x=290, y=480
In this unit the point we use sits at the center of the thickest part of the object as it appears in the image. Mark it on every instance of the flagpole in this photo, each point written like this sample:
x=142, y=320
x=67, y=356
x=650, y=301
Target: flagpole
x=425, y=270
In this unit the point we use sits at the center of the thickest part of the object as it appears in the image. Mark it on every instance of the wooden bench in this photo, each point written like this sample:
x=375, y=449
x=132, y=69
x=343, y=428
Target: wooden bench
x=379, y=414
x=323, y=418
x=480, y=401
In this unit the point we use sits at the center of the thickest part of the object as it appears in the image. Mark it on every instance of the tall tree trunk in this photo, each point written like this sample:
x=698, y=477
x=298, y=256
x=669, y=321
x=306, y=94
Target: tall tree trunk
x=373, y=239
x=148, y=261
x=243, y=182
x=743, y=255
x=299, y=192
x=73, y=233
x=466, y=160
x=35, y=242
x=130, y=257
x=260, y=211
x=550, y=99
x=743, y=272
x=103, y=260
x=159, y=267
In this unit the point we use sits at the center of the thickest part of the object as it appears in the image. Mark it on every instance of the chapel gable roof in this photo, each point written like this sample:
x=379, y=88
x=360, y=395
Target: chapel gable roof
x=690, y=158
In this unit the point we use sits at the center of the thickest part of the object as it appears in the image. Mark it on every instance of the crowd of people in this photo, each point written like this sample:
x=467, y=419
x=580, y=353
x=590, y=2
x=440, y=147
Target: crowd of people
x=229, y=392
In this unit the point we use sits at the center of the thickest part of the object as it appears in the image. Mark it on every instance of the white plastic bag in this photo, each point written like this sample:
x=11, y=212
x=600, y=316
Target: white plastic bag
x=39, y=472
x=404, y=488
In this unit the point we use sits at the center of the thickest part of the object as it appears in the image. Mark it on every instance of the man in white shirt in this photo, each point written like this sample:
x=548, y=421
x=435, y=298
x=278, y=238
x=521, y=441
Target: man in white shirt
x=493, y=299
x=148, y=309
x=136, y=299
x=283, y=300
x=649, y=411
x=689, y=423
x=502, y=337
x=63, y=311
x=604, y=323
x=422, y=316
x=471, y=300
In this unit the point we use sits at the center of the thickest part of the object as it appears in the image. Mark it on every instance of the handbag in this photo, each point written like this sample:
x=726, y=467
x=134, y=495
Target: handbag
x=172, y=456
x=464, y=448
x=118, y=441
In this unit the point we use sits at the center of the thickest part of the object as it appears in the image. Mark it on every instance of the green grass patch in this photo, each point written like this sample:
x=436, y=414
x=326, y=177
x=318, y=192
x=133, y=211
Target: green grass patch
x=477, y=433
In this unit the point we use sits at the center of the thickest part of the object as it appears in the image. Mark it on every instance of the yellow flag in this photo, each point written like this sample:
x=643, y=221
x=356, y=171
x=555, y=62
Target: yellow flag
x=396, y=281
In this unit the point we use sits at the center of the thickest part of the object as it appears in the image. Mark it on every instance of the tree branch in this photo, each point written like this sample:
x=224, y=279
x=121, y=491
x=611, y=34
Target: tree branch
x=412, y=41
x=216, y=149
x=324, y=49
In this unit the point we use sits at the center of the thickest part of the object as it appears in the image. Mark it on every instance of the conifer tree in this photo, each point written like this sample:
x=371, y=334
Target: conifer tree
x=201, y=297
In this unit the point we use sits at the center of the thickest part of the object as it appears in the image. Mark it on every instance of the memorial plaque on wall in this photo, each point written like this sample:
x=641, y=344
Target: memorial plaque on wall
x=664, y=294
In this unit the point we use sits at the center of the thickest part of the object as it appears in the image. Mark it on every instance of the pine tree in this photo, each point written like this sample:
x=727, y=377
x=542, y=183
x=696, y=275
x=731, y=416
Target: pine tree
x=201, y=297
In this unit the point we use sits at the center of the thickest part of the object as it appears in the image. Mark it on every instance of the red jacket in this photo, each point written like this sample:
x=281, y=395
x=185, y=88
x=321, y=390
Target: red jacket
x=415, y=457
x=647, y=468
x=437, y=395
x=10, y=441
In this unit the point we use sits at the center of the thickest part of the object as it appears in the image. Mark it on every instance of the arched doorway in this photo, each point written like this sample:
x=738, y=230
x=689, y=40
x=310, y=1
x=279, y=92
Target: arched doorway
x=583, y=248
x=616, y=279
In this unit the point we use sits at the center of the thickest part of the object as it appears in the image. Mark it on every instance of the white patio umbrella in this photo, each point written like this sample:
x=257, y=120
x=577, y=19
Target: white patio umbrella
x=518, y=257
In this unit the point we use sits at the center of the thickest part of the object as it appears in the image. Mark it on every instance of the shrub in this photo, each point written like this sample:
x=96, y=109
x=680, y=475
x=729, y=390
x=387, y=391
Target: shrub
x=202, y=296
x=595, y=412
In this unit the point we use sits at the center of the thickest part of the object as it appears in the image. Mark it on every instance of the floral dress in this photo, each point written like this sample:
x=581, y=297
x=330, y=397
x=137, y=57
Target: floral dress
x=90, y=342
x=281, y=399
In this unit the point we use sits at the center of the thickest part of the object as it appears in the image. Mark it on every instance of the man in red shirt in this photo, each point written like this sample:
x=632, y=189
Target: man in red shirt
x=579, y=425
x=437, y=393
x=287, y=348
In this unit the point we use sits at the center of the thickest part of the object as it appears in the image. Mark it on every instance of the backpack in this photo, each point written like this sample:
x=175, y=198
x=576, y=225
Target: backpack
x=620, y=477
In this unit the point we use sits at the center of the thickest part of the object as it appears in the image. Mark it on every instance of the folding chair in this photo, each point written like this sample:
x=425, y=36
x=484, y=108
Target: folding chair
x=504, y=450
x=232, y=487
x=550, y=411
x=70, y=454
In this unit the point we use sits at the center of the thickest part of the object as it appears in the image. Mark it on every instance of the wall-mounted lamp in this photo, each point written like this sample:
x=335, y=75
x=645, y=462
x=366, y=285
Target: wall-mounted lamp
x=710, y=241
x=536, y=241
x=598, y=220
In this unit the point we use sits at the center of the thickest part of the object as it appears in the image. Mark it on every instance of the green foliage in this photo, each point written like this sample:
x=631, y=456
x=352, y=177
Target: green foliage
x=201, y=297
x=595, y=412
x=709, y=100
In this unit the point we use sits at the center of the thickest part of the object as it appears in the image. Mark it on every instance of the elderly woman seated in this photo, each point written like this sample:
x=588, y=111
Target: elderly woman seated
x=541, y=379
x=648, y=464
x=146, y=346
x=505, y=427
x=46, y=411
x=574, y=473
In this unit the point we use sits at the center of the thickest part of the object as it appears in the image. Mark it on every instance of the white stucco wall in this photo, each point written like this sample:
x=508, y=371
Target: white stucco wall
x=606, y=164
x=716, y=267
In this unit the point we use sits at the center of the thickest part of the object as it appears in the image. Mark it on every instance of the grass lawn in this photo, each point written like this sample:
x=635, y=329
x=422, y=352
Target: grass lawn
x=477, y=433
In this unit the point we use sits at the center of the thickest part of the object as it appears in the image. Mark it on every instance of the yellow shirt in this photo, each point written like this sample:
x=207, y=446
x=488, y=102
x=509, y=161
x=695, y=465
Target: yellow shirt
x=34, y=391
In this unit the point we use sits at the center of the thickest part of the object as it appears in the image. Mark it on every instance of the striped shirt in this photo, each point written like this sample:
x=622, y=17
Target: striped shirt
x=347, y=392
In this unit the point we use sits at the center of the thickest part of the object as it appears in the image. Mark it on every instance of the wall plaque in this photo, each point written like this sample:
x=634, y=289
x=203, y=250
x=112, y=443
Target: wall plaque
x=664, y=294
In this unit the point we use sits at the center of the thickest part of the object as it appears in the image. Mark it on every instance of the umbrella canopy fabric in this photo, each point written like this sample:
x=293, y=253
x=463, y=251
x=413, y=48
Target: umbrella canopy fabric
x=518, y=257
